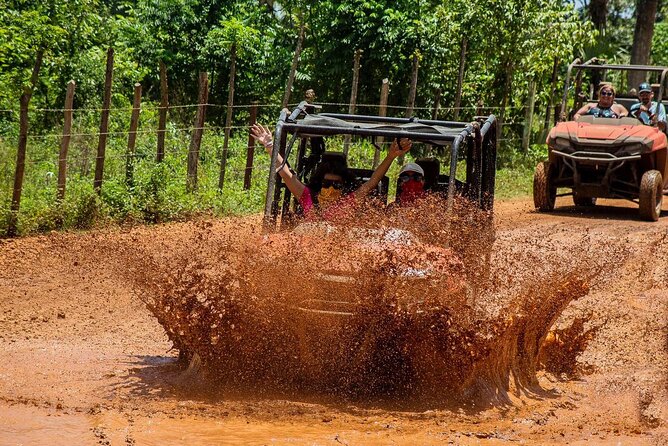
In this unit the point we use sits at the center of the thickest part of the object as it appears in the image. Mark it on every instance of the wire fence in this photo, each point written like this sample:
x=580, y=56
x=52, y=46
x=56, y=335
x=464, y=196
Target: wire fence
x=204, y=142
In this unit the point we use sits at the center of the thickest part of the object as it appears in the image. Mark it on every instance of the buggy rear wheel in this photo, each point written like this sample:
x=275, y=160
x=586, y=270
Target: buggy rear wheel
x=544, y=190
x=651, y=195
x=580, y=200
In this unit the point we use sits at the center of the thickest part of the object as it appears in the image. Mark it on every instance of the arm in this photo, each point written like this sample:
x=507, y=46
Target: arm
x=378, y=174
x=263, y=136
x=660, y=117
x=583, y=111
x=621, y=111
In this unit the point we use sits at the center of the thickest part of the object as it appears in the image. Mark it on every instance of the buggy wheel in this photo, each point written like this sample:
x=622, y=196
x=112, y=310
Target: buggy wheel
x=544, y=190
x=580, y=200
x=651, y=195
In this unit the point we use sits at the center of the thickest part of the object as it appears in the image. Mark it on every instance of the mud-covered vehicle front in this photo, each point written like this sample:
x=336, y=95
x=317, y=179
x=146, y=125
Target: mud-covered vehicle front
x=355, y=279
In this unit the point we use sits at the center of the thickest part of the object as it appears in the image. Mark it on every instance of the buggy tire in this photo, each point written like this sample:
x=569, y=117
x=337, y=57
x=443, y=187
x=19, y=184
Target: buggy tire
x=544, y=190
x=580, y=200
x=651, y=195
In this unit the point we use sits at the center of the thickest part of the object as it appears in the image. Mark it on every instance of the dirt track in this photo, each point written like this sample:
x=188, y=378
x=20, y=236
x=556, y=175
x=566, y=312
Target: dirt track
x=82, y=361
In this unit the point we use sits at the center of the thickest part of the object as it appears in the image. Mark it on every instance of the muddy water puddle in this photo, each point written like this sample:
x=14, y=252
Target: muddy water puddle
x=566, y=342
x=34, y=426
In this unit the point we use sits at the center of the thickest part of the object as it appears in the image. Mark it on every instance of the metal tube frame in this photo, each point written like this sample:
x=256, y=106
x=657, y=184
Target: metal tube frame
x=466, y=131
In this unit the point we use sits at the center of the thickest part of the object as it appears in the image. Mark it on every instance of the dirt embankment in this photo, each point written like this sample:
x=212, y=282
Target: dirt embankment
x=84, y=361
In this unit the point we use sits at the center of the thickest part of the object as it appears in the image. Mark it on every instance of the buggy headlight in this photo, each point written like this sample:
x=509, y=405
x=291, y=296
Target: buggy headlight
x=562, y=143
x=631, y=149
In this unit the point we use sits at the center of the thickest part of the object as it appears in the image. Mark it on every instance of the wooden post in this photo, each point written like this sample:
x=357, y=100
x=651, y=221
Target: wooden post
x=164, y=105
x=251, y=147
x=104, y=123
x=550, y=99
x=413, y=89
x=382, y=111
x=528, y=117
x=196, y=139
x=437, y=104
x=132, y=136
x=460, y=78
x=353, y=95
x=65, y=142
x=228, y=118
x=23, y=143
x=295, y=61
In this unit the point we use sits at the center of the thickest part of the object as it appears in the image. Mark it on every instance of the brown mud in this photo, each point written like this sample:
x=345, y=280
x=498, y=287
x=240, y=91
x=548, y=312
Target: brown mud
x=563, y=340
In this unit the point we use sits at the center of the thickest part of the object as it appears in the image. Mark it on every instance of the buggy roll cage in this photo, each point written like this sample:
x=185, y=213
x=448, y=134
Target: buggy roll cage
x=597, y=64
x=477, y=138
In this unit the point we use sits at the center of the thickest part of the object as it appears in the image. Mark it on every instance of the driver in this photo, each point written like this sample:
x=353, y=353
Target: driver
x=328, y=193
x=647, y=111
x=606, y=106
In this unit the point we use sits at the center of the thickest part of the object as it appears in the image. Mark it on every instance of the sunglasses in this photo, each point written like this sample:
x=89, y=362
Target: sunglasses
x=336, y=184
x=410, y=175
x=607, y=93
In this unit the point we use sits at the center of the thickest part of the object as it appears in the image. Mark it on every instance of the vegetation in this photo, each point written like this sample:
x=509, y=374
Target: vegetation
x=509, y=45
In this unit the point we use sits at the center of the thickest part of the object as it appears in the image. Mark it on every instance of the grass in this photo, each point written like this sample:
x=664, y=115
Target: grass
x=157, y=192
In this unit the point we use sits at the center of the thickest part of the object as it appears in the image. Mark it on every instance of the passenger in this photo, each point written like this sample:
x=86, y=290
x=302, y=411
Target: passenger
x=329, y=189
x=606, y=106
x=410, y=186
x=647, y=111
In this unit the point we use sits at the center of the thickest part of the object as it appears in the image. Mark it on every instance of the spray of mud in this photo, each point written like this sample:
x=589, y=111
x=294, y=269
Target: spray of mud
x=406, y=302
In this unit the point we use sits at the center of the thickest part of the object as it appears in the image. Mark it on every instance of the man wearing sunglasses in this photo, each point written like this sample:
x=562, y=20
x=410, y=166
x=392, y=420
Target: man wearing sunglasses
x=647, y=111
x=606, y=106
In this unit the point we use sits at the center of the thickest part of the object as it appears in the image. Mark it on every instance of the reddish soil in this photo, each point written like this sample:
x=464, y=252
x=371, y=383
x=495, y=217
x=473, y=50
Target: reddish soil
x=83, y=361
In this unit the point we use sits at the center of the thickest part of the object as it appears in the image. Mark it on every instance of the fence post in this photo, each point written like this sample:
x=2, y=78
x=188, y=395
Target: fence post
x=65, y=142
x=413, y=90
x=295, y=61
x=353, y=95
x=104, y=123
x=162, y=116
x=550, y=99
x=479, y=108
x=196, y=139
x=528, y=119
x=228, y=118
x=437, y=104
x=460, y=78
x=23, y=143
x=251, y=147
x=382, y=112
x=132, y=136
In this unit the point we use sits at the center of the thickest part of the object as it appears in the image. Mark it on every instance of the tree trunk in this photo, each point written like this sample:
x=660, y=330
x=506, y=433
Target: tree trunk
x=642, y=39
x=598, y=11
x=295, y=61
x=228, y=117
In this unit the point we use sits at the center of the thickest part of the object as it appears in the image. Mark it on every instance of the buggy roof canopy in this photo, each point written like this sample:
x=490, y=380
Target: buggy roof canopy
x=328, y=124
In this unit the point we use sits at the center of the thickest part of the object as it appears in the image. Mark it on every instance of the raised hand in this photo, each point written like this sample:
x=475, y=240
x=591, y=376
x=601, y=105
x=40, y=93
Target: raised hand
x=263, y=136
x=402, y=148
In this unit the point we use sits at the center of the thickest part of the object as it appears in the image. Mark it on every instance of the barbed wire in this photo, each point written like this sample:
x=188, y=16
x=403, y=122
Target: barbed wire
x=276, y=105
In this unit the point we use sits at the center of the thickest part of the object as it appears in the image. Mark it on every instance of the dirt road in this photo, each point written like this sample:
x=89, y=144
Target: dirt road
x=82, y=361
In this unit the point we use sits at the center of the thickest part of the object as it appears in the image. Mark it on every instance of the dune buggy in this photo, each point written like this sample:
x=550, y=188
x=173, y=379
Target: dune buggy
x=343, y=291
x=603, y=157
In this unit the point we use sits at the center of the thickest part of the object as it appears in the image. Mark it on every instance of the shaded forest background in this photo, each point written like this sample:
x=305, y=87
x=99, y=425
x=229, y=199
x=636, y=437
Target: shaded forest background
x=509, y=44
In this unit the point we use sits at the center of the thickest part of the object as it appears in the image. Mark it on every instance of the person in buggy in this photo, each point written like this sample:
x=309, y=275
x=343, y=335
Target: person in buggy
x=647, y=111
x=606, y=106
x=329, y=192
x=410, y=185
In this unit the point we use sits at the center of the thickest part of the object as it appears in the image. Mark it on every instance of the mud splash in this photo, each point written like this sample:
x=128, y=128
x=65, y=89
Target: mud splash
x=406, y=303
